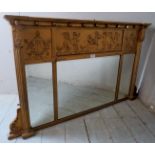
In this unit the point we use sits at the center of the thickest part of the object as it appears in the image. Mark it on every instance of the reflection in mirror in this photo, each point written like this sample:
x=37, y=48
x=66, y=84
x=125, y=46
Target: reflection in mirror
x=128, y=60
x=40, y=93
x=85, y=84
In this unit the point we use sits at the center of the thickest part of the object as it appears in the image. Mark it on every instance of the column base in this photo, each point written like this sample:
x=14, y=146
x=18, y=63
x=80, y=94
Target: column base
x=16, y=129
x=134, y=95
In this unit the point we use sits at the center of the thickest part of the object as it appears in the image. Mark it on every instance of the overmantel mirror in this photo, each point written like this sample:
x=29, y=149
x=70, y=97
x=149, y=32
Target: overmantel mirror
x=68, y=68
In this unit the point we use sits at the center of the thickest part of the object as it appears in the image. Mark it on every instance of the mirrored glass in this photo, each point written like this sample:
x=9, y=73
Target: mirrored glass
x=85, y=84
x=128, y=60
x=40, y=93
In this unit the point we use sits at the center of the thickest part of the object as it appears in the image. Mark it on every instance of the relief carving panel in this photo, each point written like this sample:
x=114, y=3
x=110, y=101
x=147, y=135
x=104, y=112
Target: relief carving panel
x=35, y=44
x=74, y=41
x=130, y=40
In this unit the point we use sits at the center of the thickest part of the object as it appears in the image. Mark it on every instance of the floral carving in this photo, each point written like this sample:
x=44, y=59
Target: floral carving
x=93, y=39
x=19, y=43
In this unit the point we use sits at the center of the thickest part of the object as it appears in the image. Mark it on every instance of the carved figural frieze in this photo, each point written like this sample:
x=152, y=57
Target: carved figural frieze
x=104, y=41
x=86, y=41
x=35, y=44
x=70, y=41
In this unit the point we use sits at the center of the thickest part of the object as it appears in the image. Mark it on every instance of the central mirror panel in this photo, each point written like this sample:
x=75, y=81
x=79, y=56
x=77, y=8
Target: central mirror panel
x=40, y=93
x=85, y=84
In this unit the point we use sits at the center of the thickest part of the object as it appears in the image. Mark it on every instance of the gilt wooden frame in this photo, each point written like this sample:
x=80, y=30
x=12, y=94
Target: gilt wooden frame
x=120, y=37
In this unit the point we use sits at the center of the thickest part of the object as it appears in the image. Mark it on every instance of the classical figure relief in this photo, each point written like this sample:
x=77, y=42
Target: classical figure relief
x=75, y=40
x=93, y=40
x=105, y=41
x=87, y=41
x=35, y=44
x=67, y=40
x=70, y=41
x=130, y=40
